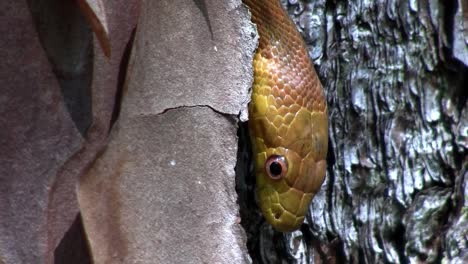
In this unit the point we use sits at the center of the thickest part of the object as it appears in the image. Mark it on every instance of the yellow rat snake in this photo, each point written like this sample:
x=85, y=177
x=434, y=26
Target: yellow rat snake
x=288, y=119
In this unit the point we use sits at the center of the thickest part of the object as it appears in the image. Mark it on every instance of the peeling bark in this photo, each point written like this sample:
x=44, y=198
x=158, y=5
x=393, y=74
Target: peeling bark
x=38, y=135
x=163, y=189
x=57, y=103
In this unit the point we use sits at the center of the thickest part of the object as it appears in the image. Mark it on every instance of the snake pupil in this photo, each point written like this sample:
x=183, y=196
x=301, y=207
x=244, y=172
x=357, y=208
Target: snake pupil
x=275, y=168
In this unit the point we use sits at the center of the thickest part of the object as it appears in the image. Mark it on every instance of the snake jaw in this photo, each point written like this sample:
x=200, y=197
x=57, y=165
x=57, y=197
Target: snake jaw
x=274, y=211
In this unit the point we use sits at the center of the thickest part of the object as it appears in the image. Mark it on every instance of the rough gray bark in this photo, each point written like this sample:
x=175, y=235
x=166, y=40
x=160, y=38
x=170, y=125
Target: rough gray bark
x=396, y=86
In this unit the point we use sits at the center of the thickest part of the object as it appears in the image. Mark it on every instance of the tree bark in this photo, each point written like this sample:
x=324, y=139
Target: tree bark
x=163, y=190
x=159, y=187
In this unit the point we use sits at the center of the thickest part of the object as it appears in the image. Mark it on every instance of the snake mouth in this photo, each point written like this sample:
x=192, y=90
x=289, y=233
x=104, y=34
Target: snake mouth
x=275, y=212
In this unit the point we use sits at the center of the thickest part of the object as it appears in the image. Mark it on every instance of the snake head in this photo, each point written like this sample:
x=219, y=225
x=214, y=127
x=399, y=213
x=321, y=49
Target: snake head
x=287, y=119
x=289, y=174
x=284, y=196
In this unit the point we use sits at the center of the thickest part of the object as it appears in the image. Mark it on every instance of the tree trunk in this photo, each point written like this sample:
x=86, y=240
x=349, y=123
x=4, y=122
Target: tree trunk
x=159, y=187
x=395, y=74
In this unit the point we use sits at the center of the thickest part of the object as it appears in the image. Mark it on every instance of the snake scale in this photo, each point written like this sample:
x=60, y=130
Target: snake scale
x=288, y=121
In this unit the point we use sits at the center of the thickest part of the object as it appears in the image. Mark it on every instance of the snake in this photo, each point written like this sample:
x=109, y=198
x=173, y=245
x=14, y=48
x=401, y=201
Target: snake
x=288, y=120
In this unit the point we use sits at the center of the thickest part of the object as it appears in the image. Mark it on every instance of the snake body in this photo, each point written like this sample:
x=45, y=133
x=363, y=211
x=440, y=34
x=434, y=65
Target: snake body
x=288, y=121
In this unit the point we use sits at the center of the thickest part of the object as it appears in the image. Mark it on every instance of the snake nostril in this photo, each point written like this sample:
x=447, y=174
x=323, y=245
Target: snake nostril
x=277, y=215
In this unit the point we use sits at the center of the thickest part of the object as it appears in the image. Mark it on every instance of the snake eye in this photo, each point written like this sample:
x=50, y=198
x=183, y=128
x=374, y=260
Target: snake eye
x=276, y=167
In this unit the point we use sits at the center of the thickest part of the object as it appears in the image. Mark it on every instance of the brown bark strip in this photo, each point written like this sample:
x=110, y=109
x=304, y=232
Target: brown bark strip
x=95, y=13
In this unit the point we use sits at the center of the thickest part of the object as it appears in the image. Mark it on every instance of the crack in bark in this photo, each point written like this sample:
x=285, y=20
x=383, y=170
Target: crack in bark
x=196, y=106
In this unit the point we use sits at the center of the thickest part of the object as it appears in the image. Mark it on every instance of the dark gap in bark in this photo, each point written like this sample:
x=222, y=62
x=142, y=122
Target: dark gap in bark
x=450, y=9
x=331, y=177
x=308, y=238
x=459, y=191
x=245, y=184
x=456, y=71
x=422, y=257
x=361, y=256
x=398, y=237
x=441, y=184
x=263, y=243
x=328, y=11
x=459, y=153
x=73, y=248
x=331, y=159
x=67, y=41
x=459, y=196
x=338, y=246
x=459, y=79
x=121, y=81
x=439, y=253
